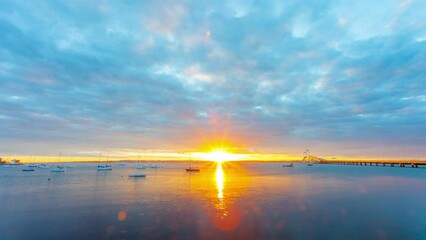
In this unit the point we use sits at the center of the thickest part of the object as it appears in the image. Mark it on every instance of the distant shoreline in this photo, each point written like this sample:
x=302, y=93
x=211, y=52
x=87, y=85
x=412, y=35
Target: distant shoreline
x=236, y=161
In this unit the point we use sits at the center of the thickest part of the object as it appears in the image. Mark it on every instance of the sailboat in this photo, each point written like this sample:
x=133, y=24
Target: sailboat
x=70, y=165
x=139, y=165
x=28, y=168
x=102, y=167
x=190, y=168
x=137, y=175
x=43, y=166
x=154, y=166
x=288, y=165
x=58, y=168
x=32, y=165
x=122, y=164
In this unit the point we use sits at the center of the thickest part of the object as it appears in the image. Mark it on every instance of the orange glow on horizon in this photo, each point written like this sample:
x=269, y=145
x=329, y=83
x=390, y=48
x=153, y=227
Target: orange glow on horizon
x=217, y=155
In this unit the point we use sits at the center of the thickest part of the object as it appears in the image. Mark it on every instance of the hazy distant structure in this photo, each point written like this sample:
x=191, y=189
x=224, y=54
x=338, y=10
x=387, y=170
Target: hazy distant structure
x=307, y=157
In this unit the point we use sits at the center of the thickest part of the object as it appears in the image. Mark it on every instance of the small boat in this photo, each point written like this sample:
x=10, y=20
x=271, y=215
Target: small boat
x=58, y=169
x=32, y=165
x=138, y=166
x=192, y=169
x=137, y=175
x=288, y=165
x=70, y=166
x=43, y=166
x=104, y=167
x=28, y=170
x=154, y=166
x=6, y=165
x=122, y=164
x=310, y=164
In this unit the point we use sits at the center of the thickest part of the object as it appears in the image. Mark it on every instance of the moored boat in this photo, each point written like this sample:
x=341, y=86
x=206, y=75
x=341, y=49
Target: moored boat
x=104, y=167
x=154, y=166
x=58, y=169
x=43, y=166
x=137, y=175
x=192, y=169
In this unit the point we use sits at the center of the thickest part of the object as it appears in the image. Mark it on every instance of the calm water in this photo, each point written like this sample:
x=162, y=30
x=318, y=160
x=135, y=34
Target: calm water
x=228, y=201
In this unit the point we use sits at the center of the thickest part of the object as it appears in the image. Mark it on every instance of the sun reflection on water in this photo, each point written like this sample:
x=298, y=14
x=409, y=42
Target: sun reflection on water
x=220, y=179
x=226, y=216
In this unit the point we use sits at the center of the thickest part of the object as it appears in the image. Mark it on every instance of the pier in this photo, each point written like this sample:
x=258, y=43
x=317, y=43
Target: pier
x=307, y=157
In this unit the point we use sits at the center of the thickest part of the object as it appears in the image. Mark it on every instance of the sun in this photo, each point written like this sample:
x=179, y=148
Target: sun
x=219, y=156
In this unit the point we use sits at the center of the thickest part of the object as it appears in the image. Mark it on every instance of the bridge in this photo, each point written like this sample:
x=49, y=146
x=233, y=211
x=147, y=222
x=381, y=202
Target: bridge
x=307, y=157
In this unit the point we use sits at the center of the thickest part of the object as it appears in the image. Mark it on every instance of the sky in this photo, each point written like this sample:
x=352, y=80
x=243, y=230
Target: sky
x=341, y=78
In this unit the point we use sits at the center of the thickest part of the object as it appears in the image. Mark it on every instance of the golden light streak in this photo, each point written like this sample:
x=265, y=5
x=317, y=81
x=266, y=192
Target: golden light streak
x=220, y=179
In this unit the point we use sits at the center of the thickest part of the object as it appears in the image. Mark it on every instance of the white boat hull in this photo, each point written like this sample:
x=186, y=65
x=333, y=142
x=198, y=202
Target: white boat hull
x=104, y=168
x=58, y=169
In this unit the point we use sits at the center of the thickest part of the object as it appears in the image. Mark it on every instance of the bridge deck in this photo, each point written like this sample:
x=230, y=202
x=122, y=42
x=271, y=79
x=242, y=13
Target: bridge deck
x=402, y=163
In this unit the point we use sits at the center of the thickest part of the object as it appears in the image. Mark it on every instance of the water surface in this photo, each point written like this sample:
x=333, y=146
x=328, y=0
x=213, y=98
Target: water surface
x=223, y=201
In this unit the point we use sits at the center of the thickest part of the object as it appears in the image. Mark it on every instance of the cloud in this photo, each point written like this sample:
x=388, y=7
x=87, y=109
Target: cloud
x=339, y=78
